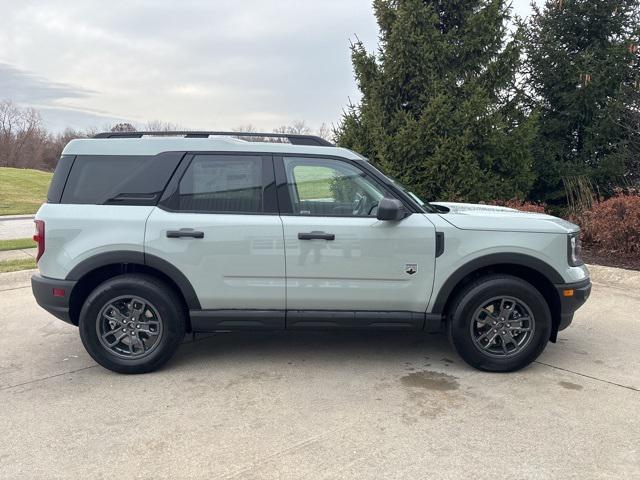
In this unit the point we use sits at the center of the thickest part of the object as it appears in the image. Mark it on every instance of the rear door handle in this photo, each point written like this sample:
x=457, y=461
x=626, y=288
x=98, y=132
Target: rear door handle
x=185, y=232
x=316, y=236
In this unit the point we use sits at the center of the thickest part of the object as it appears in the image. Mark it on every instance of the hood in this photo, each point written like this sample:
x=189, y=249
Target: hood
x=469, y=216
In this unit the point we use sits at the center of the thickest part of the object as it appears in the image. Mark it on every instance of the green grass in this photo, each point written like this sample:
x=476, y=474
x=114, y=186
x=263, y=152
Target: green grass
x=16, y=244
x=22, y=190
x=15, y=265
x=313, y=182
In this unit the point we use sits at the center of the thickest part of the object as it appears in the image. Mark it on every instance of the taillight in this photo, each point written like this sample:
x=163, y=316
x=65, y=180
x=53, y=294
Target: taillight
x=38, y=237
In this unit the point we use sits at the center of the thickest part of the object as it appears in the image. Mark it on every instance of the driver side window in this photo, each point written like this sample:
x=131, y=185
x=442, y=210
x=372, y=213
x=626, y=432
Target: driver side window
x=323, y=187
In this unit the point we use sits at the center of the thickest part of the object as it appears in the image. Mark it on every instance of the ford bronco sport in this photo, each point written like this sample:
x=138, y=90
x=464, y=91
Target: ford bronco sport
x=146, y=236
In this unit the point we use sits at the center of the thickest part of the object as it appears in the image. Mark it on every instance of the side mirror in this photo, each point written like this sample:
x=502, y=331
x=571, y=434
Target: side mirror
x=390, y=209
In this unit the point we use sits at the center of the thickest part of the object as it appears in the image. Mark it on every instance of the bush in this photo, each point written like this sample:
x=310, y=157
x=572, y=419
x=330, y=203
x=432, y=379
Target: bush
x=613, y=225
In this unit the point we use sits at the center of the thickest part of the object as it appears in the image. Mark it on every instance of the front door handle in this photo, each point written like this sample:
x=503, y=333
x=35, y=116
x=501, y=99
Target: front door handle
x=316, y=236
x=185, y=232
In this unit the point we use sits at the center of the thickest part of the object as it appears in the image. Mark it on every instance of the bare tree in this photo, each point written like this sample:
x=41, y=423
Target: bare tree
x=22, y=137
x=123, y=127
x=25, y=143
x=160, y=126
x=298, y=127
x=326, y=132
x=247, y=128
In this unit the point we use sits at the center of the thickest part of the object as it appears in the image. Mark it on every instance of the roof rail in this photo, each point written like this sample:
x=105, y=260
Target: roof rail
x=294, y=138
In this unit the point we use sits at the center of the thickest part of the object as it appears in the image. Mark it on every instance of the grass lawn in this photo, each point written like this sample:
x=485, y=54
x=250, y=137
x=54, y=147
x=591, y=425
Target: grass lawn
x=17, y=244
x=22, y=190
x=15, y=265
x=313, y=182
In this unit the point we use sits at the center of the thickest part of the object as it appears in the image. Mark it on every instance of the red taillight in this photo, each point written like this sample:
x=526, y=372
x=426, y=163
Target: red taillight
x=38, y=237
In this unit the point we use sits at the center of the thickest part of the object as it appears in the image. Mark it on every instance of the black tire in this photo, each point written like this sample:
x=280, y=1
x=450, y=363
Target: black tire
x=163, y=303
x=462, y=322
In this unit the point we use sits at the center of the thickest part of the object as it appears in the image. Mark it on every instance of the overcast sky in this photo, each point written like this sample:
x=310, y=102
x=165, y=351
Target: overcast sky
x=202, y=64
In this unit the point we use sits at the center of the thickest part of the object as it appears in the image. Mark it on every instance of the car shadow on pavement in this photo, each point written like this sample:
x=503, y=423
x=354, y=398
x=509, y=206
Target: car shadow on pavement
x=320, y=347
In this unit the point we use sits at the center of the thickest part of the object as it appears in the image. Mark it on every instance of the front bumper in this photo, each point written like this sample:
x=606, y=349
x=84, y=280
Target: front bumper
x=570, y=303
x=53, y=295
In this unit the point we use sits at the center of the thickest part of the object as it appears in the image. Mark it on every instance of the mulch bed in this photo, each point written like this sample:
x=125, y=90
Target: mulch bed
x=610, y=260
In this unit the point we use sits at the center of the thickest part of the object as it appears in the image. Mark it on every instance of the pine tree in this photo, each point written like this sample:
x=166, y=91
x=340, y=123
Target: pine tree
x=438, y=108
x=583, y=72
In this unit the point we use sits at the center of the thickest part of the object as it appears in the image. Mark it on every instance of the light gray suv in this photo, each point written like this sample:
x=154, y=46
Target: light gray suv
x=146, y=236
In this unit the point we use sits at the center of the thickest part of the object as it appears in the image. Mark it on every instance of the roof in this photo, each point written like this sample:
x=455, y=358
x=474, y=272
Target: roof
x=153, y=145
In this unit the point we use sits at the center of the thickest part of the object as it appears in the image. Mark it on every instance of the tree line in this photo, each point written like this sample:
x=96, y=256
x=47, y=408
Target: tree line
x=26, y=143
x=465, y=101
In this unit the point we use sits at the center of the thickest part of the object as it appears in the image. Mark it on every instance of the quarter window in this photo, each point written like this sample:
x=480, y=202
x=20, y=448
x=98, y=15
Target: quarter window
x=222, y=184
x=324, y=187
x=116, y=179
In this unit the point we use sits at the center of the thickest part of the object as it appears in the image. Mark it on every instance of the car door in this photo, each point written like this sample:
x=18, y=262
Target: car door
x=339, y=258
x=218, y=225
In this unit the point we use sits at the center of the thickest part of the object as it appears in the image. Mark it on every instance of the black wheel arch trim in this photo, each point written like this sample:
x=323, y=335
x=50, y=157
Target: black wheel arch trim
x=138, y=258
x=177, y=276
x=103, y=259
x=543, y=268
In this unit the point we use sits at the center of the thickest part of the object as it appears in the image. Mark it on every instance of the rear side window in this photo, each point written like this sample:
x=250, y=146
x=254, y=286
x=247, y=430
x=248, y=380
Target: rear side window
x=119, y=179
x=56, y=187
x=222, y=184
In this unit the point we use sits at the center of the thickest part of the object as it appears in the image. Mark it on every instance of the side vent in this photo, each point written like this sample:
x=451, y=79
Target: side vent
x=439, y=243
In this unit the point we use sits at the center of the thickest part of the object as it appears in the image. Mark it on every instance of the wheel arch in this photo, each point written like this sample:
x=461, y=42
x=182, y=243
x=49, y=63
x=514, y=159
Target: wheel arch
x=95, y=270
x=538, y=273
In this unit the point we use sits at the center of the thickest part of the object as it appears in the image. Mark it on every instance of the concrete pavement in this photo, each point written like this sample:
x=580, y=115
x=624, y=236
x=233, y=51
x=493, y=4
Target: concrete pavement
x=323, y=405
x=16, y=226
x=19, y=254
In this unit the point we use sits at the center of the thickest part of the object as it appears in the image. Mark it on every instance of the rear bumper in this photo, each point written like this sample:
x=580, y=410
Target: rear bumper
x=53, y=295
x=569, y=304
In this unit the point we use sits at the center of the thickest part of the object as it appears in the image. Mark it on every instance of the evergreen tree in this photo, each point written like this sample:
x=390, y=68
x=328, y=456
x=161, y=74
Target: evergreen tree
x=582, y=60
x=439, y=110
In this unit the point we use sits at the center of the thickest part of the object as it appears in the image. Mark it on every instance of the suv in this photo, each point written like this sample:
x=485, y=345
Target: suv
x=146, y=236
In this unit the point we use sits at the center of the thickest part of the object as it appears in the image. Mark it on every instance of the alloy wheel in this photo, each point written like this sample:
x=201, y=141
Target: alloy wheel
x=502, y=327
x=129, y=327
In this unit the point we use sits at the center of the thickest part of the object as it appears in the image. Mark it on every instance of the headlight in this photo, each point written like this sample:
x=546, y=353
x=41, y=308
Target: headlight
x=574, y=250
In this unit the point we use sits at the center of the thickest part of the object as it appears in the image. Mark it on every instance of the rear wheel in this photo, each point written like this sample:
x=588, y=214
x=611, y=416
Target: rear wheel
x=132, y=323
x=499, y=323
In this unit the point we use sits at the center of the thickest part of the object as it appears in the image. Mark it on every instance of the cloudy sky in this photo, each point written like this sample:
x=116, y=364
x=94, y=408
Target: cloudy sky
x=201, y=64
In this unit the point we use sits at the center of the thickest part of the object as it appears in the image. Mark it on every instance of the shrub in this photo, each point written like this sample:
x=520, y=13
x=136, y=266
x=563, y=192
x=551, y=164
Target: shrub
x=613, y=225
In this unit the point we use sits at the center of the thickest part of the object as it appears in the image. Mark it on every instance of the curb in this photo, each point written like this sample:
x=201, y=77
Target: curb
x=615, y=277
x=16, y=217
x=17, y=254
x=13, y=280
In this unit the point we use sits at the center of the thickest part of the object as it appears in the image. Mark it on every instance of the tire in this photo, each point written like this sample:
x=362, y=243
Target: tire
x=140, y=346
x=478, y=337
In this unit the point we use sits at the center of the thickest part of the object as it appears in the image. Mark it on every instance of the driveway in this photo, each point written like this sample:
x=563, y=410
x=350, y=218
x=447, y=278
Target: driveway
x=323, y=405
x=16, y=226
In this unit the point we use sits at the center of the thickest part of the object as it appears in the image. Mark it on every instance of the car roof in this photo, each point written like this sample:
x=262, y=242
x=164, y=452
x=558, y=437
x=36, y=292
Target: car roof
x=152, y=145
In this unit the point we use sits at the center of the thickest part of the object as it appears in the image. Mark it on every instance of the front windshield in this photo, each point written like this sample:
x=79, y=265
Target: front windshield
x=411, y=194
x=424, y=205
x=408, y=192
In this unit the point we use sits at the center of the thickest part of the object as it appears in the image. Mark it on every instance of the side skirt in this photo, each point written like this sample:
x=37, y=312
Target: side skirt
x=228, y=320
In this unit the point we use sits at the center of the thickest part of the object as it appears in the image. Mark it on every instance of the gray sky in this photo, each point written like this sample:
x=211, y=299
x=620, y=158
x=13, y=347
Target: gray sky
x=209, y=64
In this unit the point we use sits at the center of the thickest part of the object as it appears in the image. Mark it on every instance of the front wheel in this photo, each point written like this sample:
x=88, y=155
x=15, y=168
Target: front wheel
x=499, y=323
x=132, y=323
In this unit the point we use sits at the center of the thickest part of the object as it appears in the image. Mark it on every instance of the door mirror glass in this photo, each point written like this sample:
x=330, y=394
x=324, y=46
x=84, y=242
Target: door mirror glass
x=390, y=209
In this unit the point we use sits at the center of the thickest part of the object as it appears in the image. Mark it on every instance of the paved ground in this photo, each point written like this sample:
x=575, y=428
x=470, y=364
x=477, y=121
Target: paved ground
x=324, y=405
x=16, y=226
x=19, y=254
